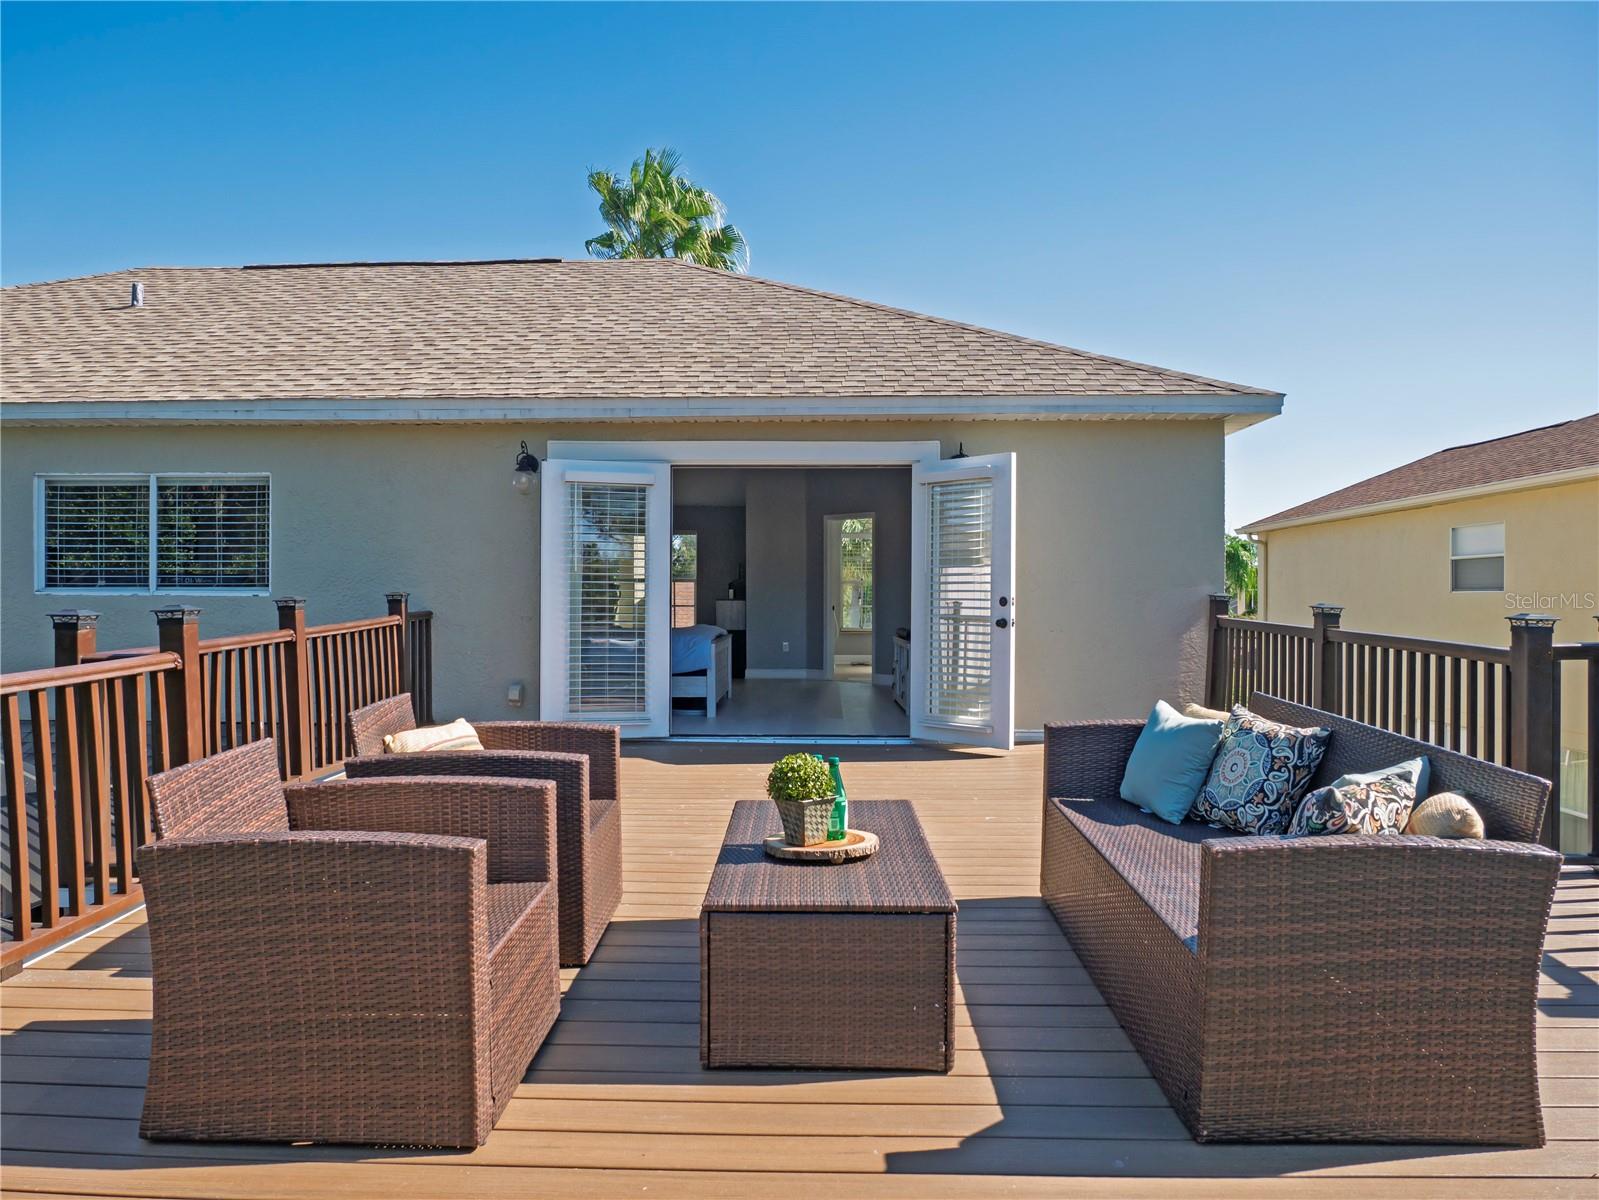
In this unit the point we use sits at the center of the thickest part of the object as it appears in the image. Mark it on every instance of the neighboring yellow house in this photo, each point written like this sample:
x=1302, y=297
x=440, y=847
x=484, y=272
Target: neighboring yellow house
x=1449, y=546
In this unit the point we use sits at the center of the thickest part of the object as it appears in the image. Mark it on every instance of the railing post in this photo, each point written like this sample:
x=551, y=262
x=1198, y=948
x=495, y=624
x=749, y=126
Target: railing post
x=178, y=628
x=400, y=606
x=75, y=640
x=75, y=635
x=1215, y=664
x=1324, y=656
x=297, y=757
x=1533, y=724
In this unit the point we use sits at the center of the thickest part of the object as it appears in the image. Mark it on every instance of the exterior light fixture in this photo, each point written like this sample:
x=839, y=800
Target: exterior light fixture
x=526, y=467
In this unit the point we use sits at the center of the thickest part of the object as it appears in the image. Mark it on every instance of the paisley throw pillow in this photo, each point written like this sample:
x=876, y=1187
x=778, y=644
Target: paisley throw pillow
x=1379, y=806
x=1260, y=773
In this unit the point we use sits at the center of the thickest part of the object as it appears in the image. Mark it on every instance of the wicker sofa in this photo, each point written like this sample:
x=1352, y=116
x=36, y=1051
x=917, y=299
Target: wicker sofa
x=313, y=982
x=1341, y=988
x=583, y=761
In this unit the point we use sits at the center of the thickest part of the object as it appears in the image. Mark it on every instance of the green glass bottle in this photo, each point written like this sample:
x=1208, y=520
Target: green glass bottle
x=838, y=820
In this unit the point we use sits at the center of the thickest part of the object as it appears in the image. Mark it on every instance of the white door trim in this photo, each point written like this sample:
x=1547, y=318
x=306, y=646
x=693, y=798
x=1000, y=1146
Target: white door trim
x=615, y=458
x=753, y=454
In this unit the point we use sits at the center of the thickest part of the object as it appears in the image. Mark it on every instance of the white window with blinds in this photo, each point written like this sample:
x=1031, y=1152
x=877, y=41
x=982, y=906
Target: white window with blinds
x=172, y=534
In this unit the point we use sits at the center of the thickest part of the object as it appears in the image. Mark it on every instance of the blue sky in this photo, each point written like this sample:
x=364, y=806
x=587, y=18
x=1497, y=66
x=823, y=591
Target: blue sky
x=1388, y=212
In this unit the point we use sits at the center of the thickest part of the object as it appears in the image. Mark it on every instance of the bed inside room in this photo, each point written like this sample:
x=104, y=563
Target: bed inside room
x=789, y=590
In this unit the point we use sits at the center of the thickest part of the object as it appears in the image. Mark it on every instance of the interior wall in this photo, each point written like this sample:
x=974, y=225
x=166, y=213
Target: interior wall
x=778, y=578
x=720, y=530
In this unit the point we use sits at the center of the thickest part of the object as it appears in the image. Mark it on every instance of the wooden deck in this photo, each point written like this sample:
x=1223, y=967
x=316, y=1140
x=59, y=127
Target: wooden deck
x=1046, y=1099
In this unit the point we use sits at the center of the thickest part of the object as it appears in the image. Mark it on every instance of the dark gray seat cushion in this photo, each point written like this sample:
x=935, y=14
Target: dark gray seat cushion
x=1159, y=860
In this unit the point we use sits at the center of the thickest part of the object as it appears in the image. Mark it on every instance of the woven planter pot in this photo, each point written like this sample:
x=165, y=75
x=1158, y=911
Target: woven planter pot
x=805, y=821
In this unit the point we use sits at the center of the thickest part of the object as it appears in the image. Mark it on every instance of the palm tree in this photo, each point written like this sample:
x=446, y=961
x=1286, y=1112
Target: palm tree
x=656, y=213
x=1242, y=572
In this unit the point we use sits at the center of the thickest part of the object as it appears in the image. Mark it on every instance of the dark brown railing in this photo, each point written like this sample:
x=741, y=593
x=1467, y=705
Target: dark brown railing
x=421, y=643
x=1497, y=703
x=80, y=739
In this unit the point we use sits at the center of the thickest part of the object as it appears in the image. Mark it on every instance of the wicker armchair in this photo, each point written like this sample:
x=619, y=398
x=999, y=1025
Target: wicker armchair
x=584, y=762
x=318, y=983
x=1369, y=989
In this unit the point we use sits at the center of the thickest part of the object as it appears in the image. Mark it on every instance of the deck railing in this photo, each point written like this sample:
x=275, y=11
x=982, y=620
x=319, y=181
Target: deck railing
x=1499, y=703
x=80, y=739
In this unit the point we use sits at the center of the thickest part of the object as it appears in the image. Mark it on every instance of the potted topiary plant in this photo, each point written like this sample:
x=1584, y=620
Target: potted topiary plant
x=802, y=787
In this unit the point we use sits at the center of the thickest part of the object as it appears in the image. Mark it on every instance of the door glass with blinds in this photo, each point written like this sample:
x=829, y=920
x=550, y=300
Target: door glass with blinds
x=962, y=638
x=608, y=594
x=960, y=564
x=605, y=594
x=155, y=533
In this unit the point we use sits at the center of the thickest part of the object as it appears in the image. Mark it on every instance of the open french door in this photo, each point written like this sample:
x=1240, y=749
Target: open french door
x=605, y=533
x=963, y=601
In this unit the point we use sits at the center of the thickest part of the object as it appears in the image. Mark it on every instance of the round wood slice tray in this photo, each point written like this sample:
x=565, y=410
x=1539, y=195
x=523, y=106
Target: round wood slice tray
x=857, y=843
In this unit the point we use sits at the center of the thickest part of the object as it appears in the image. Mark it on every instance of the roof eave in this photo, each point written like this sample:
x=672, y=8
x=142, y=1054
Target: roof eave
x=1427, y=499
x=1236, y=411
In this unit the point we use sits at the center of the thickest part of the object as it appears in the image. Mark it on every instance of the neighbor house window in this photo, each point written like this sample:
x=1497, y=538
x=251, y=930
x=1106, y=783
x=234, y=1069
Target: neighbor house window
x=685, y=578
x=155, y=533
x=1477, y=558
x=855, y=574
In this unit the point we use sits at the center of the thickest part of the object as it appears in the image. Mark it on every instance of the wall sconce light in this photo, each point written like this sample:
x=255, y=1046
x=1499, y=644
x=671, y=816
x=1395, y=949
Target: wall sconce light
x=526, y=467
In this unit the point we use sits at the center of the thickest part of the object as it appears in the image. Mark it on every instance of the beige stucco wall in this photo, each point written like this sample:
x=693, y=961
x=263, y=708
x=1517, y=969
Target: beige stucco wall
x=1118, y=527
x=1390, y=571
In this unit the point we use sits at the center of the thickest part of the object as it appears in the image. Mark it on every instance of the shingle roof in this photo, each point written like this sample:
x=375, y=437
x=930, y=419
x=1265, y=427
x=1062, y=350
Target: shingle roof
x=529, y=329
x=1568, y=446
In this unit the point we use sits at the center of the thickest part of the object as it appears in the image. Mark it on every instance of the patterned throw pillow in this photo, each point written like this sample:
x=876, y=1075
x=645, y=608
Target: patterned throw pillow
x=1380, y=806
x=1260, y=773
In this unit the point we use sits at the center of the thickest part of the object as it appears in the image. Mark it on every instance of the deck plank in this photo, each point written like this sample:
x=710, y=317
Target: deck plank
x=1047, y=1098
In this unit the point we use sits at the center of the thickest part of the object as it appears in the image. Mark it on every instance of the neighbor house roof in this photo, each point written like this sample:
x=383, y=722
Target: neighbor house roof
x=1545, y=455
x=638, y=332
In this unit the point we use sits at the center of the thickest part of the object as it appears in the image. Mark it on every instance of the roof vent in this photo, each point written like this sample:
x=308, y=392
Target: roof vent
x=136, y=300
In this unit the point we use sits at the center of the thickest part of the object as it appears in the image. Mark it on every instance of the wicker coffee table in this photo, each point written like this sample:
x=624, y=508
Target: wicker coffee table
x=818, y=967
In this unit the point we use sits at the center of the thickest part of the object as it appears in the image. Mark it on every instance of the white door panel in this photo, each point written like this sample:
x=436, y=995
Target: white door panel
x=963, y=600
x=605, y=533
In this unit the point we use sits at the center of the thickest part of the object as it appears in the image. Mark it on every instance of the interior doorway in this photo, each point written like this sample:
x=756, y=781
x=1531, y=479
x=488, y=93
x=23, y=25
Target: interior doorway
x=848, y=590
x=796, y=568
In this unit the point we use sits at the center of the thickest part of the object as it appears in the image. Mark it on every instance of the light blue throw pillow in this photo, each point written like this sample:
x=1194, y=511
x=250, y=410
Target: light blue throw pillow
x=1169, y=762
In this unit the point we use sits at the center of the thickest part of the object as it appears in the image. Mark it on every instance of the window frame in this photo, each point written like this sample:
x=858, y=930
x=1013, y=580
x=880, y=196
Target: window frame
x=153, y=480
x=672, y=580
x=1454, y=558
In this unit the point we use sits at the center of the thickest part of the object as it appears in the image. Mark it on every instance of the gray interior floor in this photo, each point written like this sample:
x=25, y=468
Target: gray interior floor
x=780, y=707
